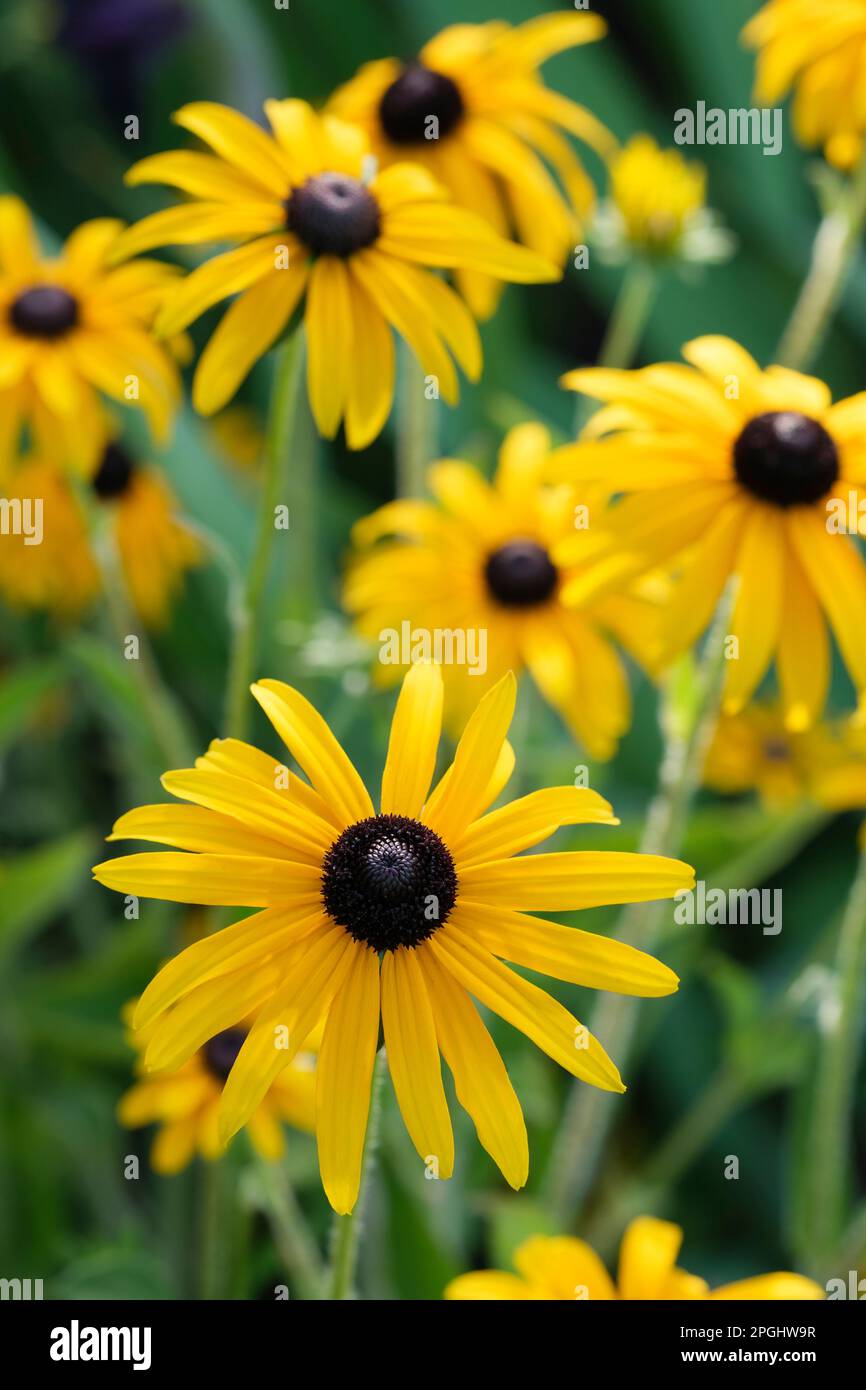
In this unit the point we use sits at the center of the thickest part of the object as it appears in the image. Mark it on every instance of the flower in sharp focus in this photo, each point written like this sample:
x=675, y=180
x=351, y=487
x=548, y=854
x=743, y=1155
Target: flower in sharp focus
x=184, y=1102
x=319, y=224
x=474, y=110
x=481, y=563
x=820, y=52
x=154, y=547
x=400, y=914
x=75, y=328
x=562, y=1268
x=656, y=208
x=730, y=470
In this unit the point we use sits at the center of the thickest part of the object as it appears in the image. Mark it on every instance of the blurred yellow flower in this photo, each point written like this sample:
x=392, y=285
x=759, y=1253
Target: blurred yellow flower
x=656, y=208
x=730, y=470
x=60, y=574
x=73, y=329
x=318, y=224
x=481, y=563
x=473, y=108
x=399, y=915
x=820, y=52
x=562, y=1268
x=184, y=1102
x=755, y=751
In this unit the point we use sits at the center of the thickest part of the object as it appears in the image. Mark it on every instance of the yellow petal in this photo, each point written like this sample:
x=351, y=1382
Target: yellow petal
x=246, y=332
x=328, y=320
x=414, y=742
x=457, y=801
x=569, y=881
x=413, y=1059
x=344, y=1077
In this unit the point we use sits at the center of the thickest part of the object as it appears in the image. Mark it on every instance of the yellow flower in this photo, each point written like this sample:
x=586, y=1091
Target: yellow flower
x=75, y=328
x=316, y=219
x=656, y=207
x=755, y=751
x=184, y=1102
x=819, y=51
x=556, y=1268
x=481, y=566
x=60, y=573
x=47, y=564
x=429, y=883
x=731, y=470
x=154, y=547
x=474, y=110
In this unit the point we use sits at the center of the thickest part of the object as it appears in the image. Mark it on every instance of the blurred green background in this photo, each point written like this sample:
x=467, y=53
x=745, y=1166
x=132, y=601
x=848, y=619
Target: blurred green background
x=74, y=749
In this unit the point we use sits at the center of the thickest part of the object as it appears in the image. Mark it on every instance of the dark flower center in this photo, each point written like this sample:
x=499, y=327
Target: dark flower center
x=45, y=311
x=786, y=458
x=520, y=574
x=333, y=215
x=418, y=94
x=220, y=1053
x=390, y=881
x=114, y=474
x=776, y=750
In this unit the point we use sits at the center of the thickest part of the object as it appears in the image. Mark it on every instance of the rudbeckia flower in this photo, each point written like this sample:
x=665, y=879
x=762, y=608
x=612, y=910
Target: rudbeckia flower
x=51, y=569
x=820, y=51
x=730, y=470
x=481, y=565
x=76, y=328
x=399, y=915
x=562, y=1268
x=154, y=547
x=656, y=207
x=317, y=221
x=184, y=1102
x=755, y=751
x=474, y=110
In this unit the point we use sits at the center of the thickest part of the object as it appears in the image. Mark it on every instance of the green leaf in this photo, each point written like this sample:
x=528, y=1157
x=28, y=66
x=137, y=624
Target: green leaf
x=20, y=694
x=37, y=884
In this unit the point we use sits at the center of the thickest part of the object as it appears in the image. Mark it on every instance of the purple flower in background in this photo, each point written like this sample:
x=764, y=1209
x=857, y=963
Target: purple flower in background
x=116, y=42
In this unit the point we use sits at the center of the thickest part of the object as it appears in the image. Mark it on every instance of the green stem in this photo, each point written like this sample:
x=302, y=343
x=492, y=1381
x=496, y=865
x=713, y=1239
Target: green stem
x=247, y=619
x=168, y=726
x=833, y=251
x=625, y=327
x=292, y=1235
x=216, y=1215
x=830, y=1165
x=346, y=1229
x=417, y=428
x=590, y=1111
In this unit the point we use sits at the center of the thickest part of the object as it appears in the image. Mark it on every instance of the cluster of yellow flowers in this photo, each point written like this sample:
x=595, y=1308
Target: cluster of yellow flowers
x=398, y=914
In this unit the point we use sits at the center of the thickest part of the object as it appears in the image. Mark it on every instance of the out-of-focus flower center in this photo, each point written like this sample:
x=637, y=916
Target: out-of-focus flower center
x=408, y=104
x=44, y=311
x=333, y=215
x=776, y=749
x=786, y=458
x=520, y=574
x=114, y=474
x=220, y=1053
x=390, y=881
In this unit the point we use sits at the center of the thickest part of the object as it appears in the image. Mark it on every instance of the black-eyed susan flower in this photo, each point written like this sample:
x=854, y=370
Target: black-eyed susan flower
x=154, y=547
x=473, y=108
x=399, y=915
x=557, y=1268
x=184, y=1102
x=755, y=751
x=480, y=564
x=318, y=224
x=730, y=470
x=656, y=207
x=74, y=329
x=46, y=562
x=818, y=50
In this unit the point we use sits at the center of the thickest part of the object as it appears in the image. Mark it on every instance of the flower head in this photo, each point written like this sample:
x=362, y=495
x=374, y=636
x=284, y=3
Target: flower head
x=318, y=224
x=184, y=1101
x=730, y=470
x=482, y=561
x=473, y=108
x=555, y=1268
x=46, y=564
x=76, y=328
x=656, y=208
x=399, y=914
x=818, y=50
